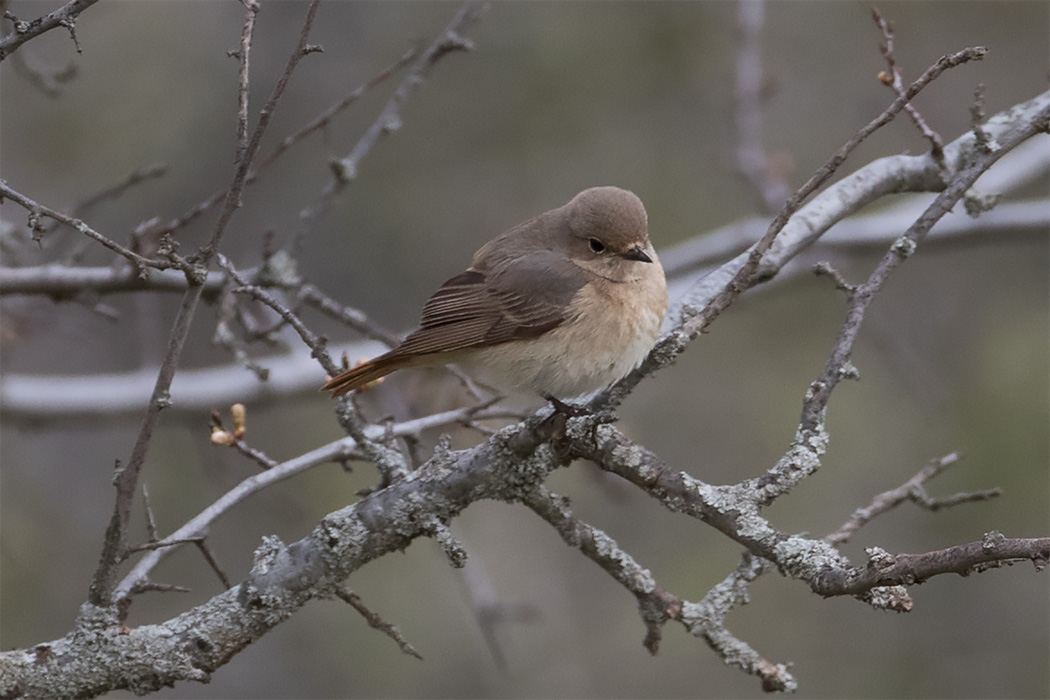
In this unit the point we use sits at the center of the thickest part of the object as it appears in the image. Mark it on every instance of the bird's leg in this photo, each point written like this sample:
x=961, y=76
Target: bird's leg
x=567, y=410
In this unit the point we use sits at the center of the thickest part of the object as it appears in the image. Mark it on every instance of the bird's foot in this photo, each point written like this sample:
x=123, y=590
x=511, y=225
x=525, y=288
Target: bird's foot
x=567, y=410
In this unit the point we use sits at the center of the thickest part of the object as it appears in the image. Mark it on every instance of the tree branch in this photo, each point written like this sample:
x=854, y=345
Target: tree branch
x=885, y=569
x=65, y=16
x=127, y=477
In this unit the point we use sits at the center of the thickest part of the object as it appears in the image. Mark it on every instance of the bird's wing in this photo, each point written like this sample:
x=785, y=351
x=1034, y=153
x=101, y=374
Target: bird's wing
x=479, y=308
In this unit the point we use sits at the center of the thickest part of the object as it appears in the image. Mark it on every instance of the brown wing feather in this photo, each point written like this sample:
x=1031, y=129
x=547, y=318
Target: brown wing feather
x=479, y=308
x=520, y=299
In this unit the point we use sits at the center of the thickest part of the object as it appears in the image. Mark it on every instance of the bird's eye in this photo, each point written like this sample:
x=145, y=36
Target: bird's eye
x=596, y=245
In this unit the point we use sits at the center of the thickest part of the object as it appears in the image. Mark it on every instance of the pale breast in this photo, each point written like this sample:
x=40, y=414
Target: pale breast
x=614, y=327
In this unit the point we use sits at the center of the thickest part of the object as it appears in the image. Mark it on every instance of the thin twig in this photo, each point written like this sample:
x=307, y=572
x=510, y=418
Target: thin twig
x=706, y=619
x=984, y=141
x=912, y=490
x=254, y=454
x=345, y=169
x=65, y=16
x=892, y=79
x=354, y=318
x=280, y=149
x=694, y=321
x=325, y=118
x=242, y=84
x=390, y=463
x=316, y=343
x=37, y=210
x=375, y=621
x=225, y=337
x=150, y=586
x=885, y=569
x=212, y=562
x=126, y=479
x=905, y=246
x=151, y=522
x=155, y=544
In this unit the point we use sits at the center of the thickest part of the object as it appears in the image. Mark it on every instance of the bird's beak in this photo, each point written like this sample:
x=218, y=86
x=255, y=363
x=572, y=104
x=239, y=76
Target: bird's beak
x=636, y=253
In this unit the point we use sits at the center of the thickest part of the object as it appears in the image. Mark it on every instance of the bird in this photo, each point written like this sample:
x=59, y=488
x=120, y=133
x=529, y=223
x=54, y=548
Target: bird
x=564, y=304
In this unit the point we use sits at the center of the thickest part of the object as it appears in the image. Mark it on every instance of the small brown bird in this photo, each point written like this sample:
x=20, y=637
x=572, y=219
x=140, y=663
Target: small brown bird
x=566, y=303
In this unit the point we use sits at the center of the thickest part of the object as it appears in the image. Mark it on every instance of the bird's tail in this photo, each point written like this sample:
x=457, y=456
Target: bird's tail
x=364, y=373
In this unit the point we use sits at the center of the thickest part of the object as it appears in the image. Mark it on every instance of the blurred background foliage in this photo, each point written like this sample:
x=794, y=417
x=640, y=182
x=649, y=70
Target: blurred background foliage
x=556, y=97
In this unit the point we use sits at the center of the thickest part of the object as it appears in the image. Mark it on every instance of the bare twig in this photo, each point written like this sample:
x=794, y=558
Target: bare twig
x=655, y=605
x=892, y=79
x=225, y=337
x=984, y=141
x=390, y=463
x=375, y=621
x=151, y=523
x=824, y=269
x=325, y=118
x=247, y=31
x=706, y=619
x=254, y=454
x=37, y=210
x=694, y=321
x=316, y=343
x=126, y=479
x=884, y=569
x=911, y=490
x=154, y=544
x=345, y=169
x=355, y=319
x=318, y=123
x=212, y=562
x=905, y=246
x=116, y=190
x=65, y=16
x=811, y=439
x=63, y=281
x=150, y=586
x=735, y=511
x=453, y=549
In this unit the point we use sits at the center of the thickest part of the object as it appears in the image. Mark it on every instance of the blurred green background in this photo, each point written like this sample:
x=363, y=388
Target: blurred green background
x=556, y=97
